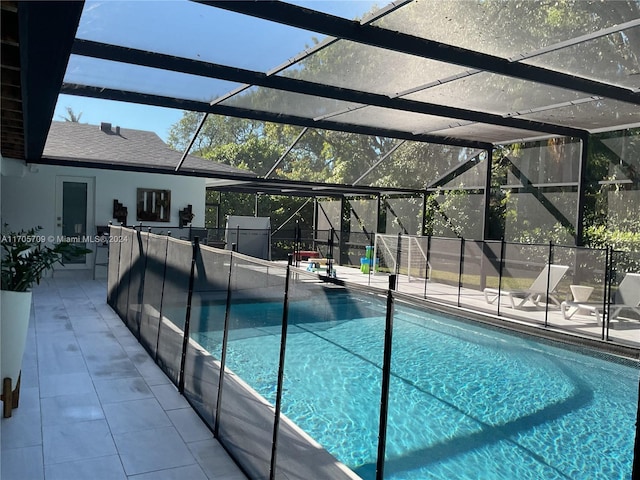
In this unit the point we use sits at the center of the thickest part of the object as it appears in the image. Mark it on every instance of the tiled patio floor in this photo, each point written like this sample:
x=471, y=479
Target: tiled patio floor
x=95, y=406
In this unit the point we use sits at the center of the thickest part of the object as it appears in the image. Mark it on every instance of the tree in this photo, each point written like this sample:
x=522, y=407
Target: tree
x=249, y=145
x=71, y=116
x=493, y=27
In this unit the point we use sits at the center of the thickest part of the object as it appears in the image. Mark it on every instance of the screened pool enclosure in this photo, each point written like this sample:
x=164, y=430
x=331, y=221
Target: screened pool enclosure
x=530, y=135
x=504, y=135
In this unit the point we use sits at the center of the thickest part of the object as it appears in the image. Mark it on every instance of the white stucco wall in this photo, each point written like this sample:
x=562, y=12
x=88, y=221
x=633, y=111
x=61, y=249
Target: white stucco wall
x=28, y=195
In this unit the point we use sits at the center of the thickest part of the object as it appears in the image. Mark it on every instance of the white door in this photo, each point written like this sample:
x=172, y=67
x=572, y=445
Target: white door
x=75, y=214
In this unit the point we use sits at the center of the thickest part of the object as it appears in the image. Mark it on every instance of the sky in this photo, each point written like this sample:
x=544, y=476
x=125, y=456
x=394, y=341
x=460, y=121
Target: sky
x=125, y=115
x=236, y=40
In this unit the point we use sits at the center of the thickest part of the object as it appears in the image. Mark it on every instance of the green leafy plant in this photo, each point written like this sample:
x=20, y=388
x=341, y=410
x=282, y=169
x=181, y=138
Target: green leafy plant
x=26, y=257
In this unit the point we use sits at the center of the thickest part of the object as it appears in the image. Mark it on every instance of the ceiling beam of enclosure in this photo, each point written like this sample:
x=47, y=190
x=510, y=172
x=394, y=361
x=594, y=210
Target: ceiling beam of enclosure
x=427, y=107
x=237, y=112
x=144, y=58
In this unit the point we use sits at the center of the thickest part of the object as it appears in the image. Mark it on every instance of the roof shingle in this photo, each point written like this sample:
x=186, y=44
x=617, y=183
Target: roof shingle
x=113, y=146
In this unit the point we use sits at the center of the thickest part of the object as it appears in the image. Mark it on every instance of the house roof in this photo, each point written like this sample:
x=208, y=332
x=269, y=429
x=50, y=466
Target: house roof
x=109, y=146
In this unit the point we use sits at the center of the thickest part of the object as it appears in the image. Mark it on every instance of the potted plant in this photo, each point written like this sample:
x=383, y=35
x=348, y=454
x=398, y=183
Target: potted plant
x=26, y=257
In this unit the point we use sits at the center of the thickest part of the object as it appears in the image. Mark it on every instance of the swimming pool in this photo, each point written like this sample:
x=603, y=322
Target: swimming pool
x=466, y=401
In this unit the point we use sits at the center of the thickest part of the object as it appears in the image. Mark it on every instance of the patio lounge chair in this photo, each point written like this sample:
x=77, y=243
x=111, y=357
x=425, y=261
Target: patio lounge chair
x=627, y=297
x=536, y=292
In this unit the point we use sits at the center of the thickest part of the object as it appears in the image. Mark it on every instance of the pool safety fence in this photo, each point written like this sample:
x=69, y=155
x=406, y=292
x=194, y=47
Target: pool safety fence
x=552, y=285
x=186, y=302
x=281, y=241
x=223, y=327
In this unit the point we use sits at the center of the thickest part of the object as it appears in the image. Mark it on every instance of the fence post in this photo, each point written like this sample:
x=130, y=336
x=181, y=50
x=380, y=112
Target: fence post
x=187, y=316
x=546, y=304
x=372, y=260
x=296, y=247
x=409, y=258
x=608, y=280
x=112, y=297
x=398, y=253
x=128, y=277
x=386, y=380
x=140, y=299
x=635, y=473
x=164, y=280
x=500, y=272
x=375, y=249
x=330, y=254
x=461, y=268
x=427, y=266
x=283, y=351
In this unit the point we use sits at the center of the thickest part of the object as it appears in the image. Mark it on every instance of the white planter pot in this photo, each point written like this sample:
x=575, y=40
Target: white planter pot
x=15, y=310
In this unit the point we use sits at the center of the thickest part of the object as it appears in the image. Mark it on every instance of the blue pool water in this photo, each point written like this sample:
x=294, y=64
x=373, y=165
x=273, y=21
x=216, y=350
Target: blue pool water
x=466, y=401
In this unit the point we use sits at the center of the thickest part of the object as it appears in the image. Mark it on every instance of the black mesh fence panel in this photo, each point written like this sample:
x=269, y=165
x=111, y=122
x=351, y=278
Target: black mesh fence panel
x=174, y=307
x=526, y=277
x=332, y=372
x=444, y=260
x=246, y=412
x=136, y=281
x=113, y=270
x=124, y=268
x=624, y=312
x=154, y=280
x=332, y=376
x=481, y=274
x=479, y=261
x=206, y=329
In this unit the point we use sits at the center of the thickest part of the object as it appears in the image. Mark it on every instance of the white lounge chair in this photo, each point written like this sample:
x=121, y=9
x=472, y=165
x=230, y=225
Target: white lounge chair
x=627, y=297
x=536, y=292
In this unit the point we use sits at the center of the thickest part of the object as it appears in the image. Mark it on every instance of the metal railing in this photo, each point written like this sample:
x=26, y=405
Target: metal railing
x=553, y=285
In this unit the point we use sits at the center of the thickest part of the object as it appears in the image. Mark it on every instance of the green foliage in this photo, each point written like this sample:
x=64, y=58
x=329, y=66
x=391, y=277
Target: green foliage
x=625, y=243
x=449, y=213
x=71, y=116
x=338, y=157
x=26, y=257
x=599, y=236
x=555, y=234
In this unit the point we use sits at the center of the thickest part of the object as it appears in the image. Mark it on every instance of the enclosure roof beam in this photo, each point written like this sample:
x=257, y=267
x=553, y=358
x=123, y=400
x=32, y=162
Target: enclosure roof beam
x=196, y=106
x=234, y=74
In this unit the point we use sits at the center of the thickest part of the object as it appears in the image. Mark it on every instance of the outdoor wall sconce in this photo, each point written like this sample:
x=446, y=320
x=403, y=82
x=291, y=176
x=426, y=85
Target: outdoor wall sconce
x=119, y=212
x=185, y=216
